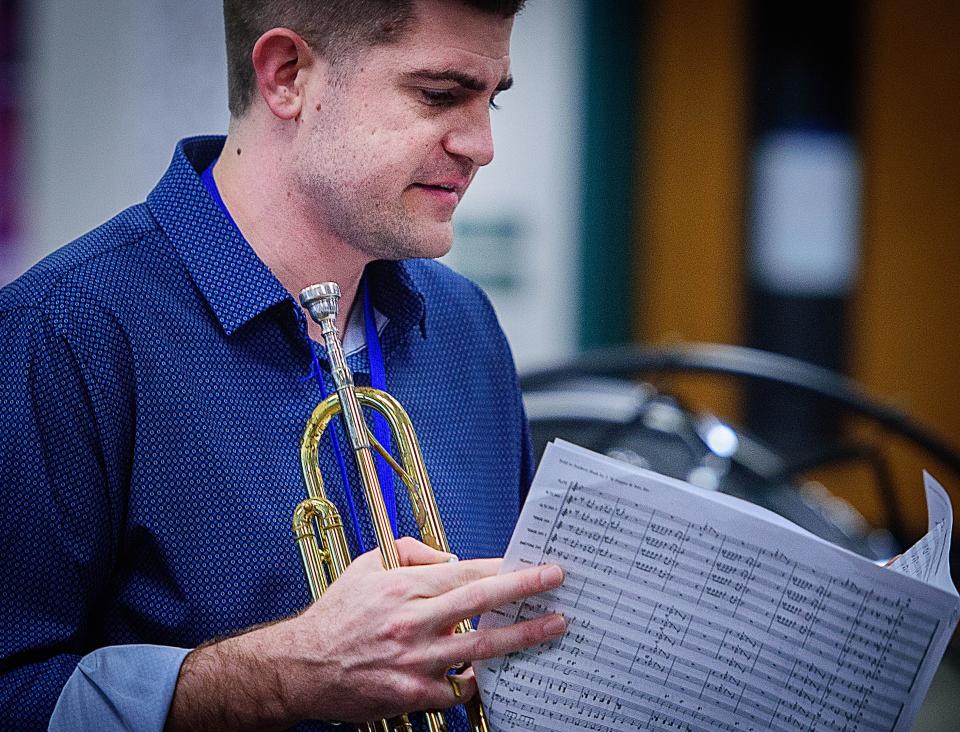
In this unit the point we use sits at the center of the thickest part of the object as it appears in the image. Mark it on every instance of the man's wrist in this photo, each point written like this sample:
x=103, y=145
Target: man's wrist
x=233, y=684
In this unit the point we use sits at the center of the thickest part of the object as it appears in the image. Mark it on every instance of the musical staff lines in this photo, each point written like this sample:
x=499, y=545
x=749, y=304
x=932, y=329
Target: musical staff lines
x=676, y=622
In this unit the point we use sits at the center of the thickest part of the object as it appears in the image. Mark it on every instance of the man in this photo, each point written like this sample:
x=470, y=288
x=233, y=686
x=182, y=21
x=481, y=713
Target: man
x=156, y=379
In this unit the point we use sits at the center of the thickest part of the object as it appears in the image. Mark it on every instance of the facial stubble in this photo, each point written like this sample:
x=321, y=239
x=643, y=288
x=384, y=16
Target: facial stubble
x=352, y=200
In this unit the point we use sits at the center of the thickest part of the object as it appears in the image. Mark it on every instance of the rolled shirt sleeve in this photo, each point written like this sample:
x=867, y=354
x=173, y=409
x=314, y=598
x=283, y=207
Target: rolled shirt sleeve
x=119, y=688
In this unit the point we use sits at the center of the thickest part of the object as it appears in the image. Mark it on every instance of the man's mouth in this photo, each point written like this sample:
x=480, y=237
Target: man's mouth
x=444, y=186
x=449, y=192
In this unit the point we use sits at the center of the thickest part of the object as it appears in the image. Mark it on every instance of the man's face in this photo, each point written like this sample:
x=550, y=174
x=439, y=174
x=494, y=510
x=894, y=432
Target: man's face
x=394, y=144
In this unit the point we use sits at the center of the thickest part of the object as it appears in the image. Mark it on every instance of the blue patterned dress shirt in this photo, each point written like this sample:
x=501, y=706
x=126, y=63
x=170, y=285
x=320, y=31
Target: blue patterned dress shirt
x=152, y=398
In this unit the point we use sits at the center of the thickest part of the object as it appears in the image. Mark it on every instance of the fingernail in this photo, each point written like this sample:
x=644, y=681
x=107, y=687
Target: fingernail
x=555, y=625
x=551, y=576
x=453, y=558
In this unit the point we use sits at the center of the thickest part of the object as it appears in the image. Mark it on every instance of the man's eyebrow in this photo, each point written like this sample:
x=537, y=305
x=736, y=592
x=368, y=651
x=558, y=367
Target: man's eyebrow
x=467, y=81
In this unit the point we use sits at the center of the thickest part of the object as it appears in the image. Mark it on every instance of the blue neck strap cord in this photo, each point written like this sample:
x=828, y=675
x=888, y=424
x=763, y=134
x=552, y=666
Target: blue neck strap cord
x=378, y=380
x=381, y=430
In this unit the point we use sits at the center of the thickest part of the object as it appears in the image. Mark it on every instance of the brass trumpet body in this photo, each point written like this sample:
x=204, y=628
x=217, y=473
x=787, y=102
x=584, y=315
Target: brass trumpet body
x=317, y=525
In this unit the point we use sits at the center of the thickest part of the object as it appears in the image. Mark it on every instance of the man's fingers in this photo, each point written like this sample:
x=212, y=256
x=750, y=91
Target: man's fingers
x=439, y=578
x=461, y=687
x=487, y=593
x=413, y=552
x=494, y=642
x=438, y=693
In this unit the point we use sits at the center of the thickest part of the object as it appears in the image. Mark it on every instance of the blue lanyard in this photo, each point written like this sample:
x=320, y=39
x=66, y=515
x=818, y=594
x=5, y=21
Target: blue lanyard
x=378, y=380
x=381, y=430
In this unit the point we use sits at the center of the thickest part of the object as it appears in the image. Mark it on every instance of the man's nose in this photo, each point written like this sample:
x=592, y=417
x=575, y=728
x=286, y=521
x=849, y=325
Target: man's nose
x=472, y=137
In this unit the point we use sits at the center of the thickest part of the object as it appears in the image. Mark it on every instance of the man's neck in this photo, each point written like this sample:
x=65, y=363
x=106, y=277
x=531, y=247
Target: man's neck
x=270, y=212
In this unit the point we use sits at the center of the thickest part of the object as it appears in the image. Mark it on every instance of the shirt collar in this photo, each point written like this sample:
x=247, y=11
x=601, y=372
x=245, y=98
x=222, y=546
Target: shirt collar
x=234, y=282
x=355, y=337
x=396, y=294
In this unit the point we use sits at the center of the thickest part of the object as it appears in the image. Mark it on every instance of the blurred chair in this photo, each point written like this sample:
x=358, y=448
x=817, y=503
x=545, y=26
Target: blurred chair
x=602, y=400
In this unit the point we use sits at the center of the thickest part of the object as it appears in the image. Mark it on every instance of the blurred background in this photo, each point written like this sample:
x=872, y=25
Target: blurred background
x=778, y=176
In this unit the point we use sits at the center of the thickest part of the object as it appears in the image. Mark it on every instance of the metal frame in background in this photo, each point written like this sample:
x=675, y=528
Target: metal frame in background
x=626, y=362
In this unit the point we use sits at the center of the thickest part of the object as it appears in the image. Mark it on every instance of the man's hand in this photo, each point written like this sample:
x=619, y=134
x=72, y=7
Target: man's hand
x=376, y=644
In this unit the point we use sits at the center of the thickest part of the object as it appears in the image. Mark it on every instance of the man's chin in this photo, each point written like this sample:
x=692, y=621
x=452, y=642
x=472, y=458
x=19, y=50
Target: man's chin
x=416, y=250
x=434, y=243
x=429, y=241
x=440, y=250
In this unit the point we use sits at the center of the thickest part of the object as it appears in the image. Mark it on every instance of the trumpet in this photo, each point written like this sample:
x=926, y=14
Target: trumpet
x=317, y=524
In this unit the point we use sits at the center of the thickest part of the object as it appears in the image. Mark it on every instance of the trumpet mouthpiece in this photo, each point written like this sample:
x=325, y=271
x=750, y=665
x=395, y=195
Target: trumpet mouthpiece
x=321, y=300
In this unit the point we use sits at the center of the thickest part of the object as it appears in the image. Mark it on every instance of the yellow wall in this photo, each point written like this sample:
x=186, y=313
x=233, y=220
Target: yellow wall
x=906, y=329
x=905, y=324
x=690, y=245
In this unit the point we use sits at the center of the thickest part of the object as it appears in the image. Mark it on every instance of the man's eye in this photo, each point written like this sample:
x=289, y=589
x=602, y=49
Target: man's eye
x=438, y=97
x=447, y=97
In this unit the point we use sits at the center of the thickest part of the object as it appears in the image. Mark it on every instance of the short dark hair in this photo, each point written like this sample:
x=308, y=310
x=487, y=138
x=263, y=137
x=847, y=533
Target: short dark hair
x=333, y=28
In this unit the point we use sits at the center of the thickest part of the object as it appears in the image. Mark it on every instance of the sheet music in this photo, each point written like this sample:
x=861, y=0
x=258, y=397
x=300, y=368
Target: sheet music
x=929, y=559
x=696, y=611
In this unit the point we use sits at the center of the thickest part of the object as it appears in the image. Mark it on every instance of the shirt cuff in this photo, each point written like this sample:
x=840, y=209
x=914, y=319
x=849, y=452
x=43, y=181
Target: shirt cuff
x=120, y=688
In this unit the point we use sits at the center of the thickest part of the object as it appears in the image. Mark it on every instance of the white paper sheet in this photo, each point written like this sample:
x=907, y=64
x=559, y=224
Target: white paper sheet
x=690, y=610
x=929, y=559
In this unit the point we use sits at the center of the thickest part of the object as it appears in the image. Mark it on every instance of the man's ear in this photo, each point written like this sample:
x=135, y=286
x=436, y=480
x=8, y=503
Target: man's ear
x=280, y=58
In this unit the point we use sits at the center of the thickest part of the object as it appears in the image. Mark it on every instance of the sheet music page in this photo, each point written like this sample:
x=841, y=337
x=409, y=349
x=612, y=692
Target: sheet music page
x=929, y=558
x=690, y=610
